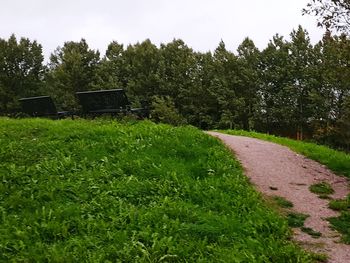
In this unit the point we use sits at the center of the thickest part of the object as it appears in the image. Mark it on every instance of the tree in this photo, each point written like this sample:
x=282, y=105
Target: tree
x=163, y=110
x=201, y=105
x=334, y=91
x=72, y=68
x=275, y=104
x=301, y=61
x=22, y=70
x=177, y=65
x=140, y=69
x=248, y=87
x=332, y=14
x=344, y=126
x=223, y=88
x=111, y=69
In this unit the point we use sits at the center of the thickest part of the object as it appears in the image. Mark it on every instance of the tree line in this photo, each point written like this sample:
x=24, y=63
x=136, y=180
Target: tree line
x=290, y=88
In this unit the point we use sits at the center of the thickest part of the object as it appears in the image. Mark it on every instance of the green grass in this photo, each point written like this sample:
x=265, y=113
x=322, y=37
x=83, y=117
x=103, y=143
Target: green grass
x=282, y=202
x=340, y=204
x=342, y=224
x=296, y=219
x=323, y=188
x=102, y=191
x=311, y=232
x=319, y=257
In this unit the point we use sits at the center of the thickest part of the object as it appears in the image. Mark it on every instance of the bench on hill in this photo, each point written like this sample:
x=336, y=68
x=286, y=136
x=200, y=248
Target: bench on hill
x=113, y=101
x=42, y=106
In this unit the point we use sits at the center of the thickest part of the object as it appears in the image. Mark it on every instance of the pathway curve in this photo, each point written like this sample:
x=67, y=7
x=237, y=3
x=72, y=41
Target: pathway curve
x=276, y=170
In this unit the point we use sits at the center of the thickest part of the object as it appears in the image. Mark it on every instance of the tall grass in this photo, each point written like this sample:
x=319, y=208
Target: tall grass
x=102, y=191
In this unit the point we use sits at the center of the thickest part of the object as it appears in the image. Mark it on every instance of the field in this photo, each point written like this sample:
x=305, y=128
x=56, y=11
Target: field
x=102, y=191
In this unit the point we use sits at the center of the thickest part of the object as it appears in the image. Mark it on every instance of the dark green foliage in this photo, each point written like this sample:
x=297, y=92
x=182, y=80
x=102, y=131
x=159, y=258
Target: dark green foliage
x=319, y=257
x=282, y=202
x=163, y=110
x=21, y=72
x=340, y=205
x=311, y=232
x=342, y=224
x=87, y=191
x=321, y=188
x=324, y=196
x=290, y=88
x=296, y=219
x=72, y=68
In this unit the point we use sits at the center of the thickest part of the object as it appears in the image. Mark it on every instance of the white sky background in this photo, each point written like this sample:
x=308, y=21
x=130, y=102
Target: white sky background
x=201, y=24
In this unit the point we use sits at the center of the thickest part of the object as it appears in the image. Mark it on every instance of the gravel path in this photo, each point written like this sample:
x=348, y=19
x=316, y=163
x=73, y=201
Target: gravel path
x=276, y=170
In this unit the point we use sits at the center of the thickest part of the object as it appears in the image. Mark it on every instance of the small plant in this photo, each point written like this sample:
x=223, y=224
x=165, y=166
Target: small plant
x=324, y=196
x=339, y=205
x=311, y=232
x=318, y=257
x=323, y=188
x=282, y=202
x=296, y=219
x=342, y=224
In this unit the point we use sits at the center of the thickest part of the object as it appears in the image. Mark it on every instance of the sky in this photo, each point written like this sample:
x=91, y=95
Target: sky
x=201, y=24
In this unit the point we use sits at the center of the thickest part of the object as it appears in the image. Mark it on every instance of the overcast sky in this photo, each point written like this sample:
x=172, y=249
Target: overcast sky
x=200, y=23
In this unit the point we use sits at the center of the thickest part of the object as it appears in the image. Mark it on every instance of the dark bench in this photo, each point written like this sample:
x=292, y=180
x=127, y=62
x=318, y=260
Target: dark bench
x=111, y=101
x=42, y=106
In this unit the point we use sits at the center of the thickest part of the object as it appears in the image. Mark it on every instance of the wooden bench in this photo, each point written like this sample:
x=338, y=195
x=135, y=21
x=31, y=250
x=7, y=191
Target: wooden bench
x=42, y=106
x=113, y=101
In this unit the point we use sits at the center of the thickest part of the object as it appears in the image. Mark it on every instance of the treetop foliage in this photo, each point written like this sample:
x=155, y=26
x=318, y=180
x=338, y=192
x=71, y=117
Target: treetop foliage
x=332, y=14
x=290, y=88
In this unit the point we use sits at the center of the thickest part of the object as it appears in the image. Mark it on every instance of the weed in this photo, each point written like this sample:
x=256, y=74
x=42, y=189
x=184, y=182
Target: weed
x=296, y=219
x=318, y=257
x=342, y=224
x=323, y=188
x=282, y=202
x=339, y=204
x=324, y=196
x=311, y=232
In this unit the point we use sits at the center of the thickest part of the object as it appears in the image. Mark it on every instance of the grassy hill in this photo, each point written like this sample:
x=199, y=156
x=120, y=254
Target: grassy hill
x=102, y=191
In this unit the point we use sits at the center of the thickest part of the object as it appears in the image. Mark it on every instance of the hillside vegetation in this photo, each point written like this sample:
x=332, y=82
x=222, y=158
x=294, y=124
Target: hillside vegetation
x=290, y=87
x=87, y=191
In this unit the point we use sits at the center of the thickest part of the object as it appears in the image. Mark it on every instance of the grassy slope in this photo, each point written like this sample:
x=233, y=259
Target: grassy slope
x=336, y=161
x=97, y=191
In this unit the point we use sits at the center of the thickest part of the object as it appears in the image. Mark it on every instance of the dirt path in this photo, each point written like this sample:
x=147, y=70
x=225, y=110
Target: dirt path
x=276, y=170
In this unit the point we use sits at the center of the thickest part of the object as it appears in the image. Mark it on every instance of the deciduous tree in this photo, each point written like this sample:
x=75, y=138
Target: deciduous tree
x=21, y=71
x=331, y=14
x=72, y=68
